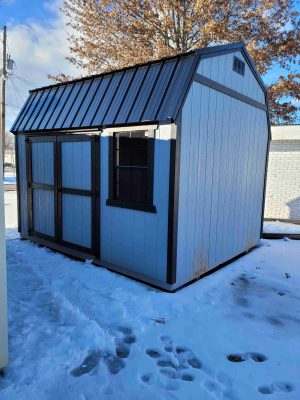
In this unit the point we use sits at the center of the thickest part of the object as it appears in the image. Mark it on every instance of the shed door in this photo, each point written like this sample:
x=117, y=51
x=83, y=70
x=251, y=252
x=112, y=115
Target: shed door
x=77, y=192
x=63, y=190
x=41, y=175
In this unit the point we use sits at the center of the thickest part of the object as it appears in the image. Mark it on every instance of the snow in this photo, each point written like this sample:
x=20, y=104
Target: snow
x=10, y=204
x=9, y=178
x=281, y=227
x=82, y=332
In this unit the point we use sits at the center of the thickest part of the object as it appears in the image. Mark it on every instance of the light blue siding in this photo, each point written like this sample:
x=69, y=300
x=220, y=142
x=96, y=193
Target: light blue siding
x=77, y=219
x=76, y=165
x=222, y=166
x=42, y=162
x=43, y=211
x=220, y=69
x=22, y=183
x=131, y=239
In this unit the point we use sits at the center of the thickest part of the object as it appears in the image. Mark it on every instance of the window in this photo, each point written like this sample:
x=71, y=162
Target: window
x=238, y=66
x=131, y=170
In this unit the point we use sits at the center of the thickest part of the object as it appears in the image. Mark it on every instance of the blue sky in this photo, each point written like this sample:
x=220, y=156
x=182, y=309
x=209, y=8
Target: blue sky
x=21, y=11
x=37, y=42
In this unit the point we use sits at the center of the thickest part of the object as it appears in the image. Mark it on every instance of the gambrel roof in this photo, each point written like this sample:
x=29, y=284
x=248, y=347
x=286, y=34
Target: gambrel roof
x=150, y=92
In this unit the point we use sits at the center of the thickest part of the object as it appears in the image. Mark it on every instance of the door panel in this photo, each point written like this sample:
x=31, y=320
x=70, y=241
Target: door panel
x=42, y=155
x=76, y=165
x=43, y=212
x=77, y=220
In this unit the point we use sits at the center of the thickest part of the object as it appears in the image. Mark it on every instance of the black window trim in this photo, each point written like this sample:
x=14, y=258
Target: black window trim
x=238, y=66
x=133, y=205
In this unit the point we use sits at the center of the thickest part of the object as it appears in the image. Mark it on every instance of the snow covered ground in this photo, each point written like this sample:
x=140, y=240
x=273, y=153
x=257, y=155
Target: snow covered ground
x=9, y=177
x=281, y=227
x=83, y=332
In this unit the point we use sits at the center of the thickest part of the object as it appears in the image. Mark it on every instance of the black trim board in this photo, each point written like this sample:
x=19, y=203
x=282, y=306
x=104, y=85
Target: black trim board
x=18, y=183
x=267, y=235
x=227, y=91
x=174, y=172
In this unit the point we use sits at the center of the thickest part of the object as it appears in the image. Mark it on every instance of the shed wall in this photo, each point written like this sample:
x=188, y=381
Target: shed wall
x=222, y=167
x=283, y=180
x=22, y=183
x=220, y=69
x=133, y=239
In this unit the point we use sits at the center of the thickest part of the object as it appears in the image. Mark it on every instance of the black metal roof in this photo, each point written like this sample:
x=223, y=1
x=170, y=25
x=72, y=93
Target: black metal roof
x=142, y=93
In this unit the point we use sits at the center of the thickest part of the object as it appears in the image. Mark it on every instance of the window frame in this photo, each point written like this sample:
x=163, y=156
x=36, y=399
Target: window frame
x=239, y=66
x=131, y=204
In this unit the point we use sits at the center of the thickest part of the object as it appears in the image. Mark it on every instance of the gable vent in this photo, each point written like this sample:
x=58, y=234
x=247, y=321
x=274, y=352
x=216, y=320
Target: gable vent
x=238, y=66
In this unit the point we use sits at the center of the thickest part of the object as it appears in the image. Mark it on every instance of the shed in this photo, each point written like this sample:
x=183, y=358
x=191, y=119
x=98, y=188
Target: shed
x=155, y=171
x=283, y=178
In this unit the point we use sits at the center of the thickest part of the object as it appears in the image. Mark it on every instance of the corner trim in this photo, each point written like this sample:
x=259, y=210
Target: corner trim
x=18, y=182
x=174, y=172
x=266, y=166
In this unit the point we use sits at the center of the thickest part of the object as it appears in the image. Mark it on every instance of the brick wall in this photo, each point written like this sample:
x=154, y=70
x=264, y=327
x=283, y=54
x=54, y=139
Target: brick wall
x=283, y=180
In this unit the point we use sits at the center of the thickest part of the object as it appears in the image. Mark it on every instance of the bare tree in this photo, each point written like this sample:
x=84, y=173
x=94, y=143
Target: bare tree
x=109, y=34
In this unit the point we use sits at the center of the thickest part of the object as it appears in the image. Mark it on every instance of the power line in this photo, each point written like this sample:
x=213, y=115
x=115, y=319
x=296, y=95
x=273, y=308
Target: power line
x=26, y=81
x=15, y=88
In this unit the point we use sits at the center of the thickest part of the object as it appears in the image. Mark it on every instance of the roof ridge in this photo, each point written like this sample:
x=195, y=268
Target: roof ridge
x=123, y=69
x=118, y=70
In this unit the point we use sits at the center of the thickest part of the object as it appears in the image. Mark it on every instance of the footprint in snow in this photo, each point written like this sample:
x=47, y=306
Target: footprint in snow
x=88, y=364
x=173, y=363
x=276, y=387
x=178, y=364
x=114, y=362
x=257, y=357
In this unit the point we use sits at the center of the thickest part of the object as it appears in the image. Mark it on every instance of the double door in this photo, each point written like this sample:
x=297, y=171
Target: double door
x=63, y=190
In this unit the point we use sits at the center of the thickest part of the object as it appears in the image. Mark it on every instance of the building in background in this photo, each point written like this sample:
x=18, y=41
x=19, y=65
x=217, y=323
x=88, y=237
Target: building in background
x=283, y=179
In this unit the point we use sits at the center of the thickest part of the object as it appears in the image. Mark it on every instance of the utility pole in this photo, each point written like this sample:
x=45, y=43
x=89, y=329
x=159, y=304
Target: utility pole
x=3, y=94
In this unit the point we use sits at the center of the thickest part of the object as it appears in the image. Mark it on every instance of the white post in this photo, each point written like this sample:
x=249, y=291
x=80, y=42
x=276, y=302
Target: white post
x=3, y=283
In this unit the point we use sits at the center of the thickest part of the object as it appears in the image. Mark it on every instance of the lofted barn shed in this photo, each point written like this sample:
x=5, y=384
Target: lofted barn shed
x=156, y=171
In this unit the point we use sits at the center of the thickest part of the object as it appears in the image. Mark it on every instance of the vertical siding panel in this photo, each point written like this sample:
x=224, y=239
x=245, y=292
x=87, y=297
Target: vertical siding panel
x=210, y=148
x=184, y=179
x=246, y=122
x=202, y=159
x=226, y=174
x=215, y=180
x=235, y=227
x=192, y=177
x=217, y=256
